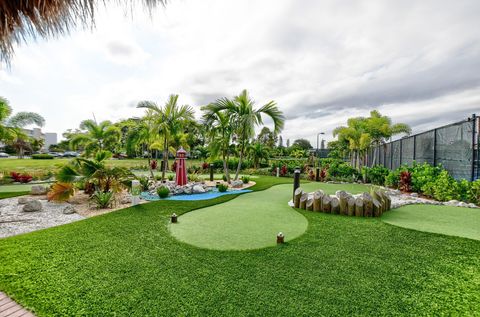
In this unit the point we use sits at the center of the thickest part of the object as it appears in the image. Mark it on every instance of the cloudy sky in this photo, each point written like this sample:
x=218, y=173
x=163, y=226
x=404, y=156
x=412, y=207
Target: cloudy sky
x=321, y=61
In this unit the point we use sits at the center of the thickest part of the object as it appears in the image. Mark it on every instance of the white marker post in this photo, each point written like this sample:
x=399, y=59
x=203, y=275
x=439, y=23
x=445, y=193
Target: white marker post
x=278, y=171
x=136, y=189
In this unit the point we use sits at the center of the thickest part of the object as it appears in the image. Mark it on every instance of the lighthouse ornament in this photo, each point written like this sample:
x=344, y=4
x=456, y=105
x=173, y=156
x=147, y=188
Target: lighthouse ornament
x=181, y=171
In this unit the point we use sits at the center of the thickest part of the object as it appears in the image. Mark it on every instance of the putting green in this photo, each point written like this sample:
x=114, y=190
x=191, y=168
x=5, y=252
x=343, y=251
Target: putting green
x=453, y=221
x=250, y=221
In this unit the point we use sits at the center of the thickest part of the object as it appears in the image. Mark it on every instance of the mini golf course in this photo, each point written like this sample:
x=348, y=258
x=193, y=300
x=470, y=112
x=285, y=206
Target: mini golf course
x=452, y=221
x=251, y=221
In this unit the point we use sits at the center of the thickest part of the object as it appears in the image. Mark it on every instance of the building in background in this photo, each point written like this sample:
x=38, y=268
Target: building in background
x=49, y=138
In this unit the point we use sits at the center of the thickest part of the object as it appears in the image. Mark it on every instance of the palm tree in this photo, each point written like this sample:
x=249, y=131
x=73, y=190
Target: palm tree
x=220, y=131
x=11, y=126
x=245, y=118
x=257, y=152
x=97, y=136
x=381, y=129
x=169, y=122
x=140, y=135
x=356, y=136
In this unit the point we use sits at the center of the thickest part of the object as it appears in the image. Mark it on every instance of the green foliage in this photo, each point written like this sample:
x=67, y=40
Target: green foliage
x=42, y=157
x=245, y=179
x=423, y=174
x=103, y=199
x=170, y=177
x=224, y=178
x=299, y=153
x=144, y=183
x=475, y=191
x=339, y=170
x=393, y=178
x=444, y=188
x=375, y=175
x=163, y=191
x=222, y=188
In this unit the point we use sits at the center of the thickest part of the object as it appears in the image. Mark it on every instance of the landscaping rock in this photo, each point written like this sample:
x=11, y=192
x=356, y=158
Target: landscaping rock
x=32, y=206
x=23, y=200
x=39, y=190
x=68, y=210
x=198, y=189
x=414, y=194
x=126, y=199
x=237, y=184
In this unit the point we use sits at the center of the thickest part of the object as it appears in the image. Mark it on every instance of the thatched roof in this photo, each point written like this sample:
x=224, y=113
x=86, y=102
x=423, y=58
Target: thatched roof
x=20, y=19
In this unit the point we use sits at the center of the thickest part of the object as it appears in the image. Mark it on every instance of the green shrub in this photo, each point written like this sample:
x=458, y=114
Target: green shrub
x=444, y=188
x=193, y=177
x=224, y=178
x=42, y=157
x=222, y=188
x=423, y=174
x=170, y=177
x=343, y=171
x=163, y=191
x=375, y=175
x=103, y=200
x=232, y=164
x=245, y=179
x=475, y=191
x=143, y=182
x=393, y=178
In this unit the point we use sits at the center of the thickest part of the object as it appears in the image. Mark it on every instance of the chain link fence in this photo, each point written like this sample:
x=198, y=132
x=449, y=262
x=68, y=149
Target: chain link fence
x=454, y=146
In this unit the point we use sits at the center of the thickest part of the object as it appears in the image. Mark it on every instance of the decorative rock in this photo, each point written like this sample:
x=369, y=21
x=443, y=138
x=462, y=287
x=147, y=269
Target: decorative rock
x=198, y=189
x=303, y=201
x=414, y=194
x=38, y=190
x=32, y=205
x=23, y=200
x=68, y=210
x=126, y=199
x=296, y=197
x=317, y=200
x=310, y=204
x=237, y=184
x=188, y=189
x=335, y=205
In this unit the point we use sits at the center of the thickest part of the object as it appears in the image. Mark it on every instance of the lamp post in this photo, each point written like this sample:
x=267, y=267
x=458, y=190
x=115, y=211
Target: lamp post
x=318, y=134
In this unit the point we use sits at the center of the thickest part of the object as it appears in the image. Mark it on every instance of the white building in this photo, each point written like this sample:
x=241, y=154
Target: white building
x=49, y=138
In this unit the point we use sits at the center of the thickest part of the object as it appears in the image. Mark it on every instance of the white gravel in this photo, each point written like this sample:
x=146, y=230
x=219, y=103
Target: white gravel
x=14, y=221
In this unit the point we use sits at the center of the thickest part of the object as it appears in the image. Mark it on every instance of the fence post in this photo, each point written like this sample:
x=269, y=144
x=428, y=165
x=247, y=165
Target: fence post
x=434, y=147
x=474, y=121
x=414, y=147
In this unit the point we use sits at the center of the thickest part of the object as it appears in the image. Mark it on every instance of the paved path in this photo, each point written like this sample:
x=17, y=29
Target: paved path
x=8, y=308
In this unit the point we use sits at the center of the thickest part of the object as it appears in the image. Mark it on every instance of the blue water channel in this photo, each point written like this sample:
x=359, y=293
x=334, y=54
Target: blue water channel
x=203, y=196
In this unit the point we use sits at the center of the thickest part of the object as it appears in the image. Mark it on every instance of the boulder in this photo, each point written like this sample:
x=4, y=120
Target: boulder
x=23, y=200
x=198, y=189
x=237, y=184
x=39, y=190
x=187, y=189
x=126, y=199
x=32, y=205
x=68, y=210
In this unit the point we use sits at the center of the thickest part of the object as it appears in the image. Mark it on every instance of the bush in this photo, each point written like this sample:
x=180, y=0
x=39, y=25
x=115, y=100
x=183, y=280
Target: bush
x=423, y=174
x=245, y=179
x=103, y=200
x=444, y=188
x=232, y=164
x=42, y=157
x=375, y=175
x=153, y=164
x=405, y=183
x=205, y=165
x=143, y=183
x=224, y=178
x=343, y=171
x=163, y=191
x=170, y=177
x=222, y=188
x=475, y=191
x=393, y=178
x=21, y=178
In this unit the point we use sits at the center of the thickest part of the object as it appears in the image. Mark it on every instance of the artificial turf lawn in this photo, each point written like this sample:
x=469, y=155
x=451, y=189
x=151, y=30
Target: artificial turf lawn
x=454, y=221
x=250, y=221
x=127, y=264
x=4, y=195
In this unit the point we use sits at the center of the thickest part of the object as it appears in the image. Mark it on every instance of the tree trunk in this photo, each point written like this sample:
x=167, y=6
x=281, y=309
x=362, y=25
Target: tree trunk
x=296, y=197
x=240, y=158
x=317, y=200
x=225, y=167
x=165, y=159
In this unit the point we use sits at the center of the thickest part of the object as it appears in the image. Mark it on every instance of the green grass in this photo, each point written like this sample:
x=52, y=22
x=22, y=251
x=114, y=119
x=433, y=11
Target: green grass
x=454, y=221
x=19, y=187
x=251, y=221
x=127, y=264
x=4, y=195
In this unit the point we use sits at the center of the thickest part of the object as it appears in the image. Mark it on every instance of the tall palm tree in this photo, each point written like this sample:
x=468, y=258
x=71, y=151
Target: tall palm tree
x=169, y=122
x=245, y=118
x=140, y=135
x=220, y=132
x=97, y=136
x=381, y=129
x=11, y=126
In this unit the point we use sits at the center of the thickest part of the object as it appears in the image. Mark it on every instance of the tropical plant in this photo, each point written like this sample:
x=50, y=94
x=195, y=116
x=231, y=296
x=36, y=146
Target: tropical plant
x=222, y=188
x=355, y=136
x=244, y=118
x=163, y=191
x=61, y=192
x=257, y=152
x=168, y=123
x=380, y=129
x=245, y=179
x=405, y=183
x=96, y=137
x=375, y=175
x=103, y=199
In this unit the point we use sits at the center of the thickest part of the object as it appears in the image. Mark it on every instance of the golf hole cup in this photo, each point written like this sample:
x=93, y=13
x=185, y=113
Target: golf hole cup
x=136, y=189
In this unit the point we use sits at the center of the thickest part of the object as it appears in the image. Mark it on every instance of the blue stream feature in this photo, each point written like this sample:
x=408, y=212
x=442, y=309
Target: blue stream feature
x=203, y=196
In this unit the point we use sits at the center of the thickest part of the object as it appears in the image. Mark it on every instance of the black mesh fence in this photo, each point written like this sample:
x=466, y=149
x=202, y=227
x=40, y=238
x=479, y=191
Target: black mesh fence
x=454, y=146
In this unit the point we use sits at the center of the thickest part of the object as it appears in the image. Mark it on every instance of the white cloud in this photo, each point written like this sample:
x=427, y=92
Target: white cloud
x=321, y=61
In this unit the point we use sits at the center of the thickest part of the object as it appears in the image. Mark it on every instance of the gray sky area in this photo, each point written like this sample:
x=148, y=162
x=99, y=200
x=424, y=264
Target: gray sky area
x=321, y=61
